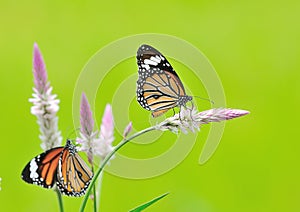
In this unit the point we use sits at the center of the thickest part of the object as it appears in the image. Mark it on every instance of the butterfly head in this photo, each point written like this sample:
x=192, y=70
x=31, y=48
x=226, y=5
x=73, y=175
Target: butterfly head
x=182, y=100
x=72, y=148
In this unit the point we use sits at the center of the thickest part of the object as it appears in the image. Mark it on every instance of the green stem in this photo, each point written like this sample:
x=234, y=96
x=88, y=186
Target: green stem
x=99, y=186
x=94, y=191
x=60, y=201
x=106, y=159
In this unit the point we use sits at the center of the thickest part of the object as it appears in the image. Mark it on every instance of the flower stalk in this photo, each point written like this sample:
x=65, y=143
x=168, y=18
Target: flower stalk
x=87, y=137
x=95, y=143
x=45, y=107
x=60, y=201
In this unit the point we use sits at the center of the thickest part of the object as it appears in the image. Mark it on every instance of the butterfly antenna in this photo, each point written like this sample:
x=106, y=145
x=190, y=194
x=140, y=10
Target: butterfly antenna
x=205, y=99
x=73, y=132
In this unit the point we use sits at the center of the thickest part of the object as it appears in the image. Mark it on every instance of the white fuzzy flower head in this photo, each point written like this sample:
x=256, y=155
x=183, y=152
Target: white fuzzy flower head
x=103, y=145
x=96, y=143
x=191, y=119
x=45, y=104
x=87, y=136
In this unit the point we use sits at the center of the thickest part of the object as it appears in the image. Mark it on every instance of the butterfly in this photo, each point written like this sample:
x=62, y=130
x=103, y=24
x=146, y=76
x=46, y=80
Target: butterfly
x=159, y=88
x=60, y=165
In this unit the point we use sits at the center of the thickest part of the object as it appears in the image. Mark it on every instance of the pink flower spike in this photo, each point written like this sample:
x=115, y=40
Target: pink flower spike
x=220, y=114
x=86, y=117
x=103, y=145
x=39, y=70
x=45, y=104
x=234, y=113
x=191, y=119
x=107, y=127
x=127, y=130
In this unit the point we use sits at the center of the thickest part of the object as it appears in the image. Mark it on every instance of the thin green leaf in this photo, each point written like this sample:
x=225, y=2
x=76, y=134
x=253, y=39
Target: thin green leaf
x=147, y=204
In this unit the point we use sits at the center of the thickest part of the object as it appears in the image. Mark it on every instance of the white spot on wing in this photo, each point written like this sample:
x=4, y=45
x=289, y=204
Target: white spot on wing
x=150, y=62
x=33, y=168
x=155, y=59
x=146, y=66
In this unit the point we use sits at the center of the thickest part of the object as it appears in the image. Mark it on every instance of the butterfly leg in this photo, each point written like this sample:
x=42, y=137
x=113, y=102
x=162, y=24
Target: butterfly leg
x=179, y=113
x=191, y=110
x=192, y=105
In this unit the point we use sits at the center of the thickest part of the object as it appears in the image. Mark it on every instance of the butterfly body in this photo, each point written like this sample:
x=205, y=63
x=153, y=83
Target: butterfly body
x=61, y=166
x=159, y=88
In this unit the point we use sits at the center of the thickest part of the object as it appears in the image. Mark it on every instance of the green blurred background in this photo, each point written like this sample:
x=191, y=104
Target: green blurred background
x=254, y=47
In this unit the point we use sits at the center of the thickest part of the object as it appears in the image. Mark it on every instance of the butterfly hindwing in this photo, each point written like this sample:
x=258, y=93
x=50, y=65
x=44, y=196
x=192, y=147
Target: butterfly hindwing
x=73, y=174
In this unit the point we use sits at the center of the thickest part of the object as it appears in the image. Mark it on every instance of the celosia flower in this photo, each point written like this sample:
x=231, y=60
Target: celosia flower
x=127, y=130
x=103, y=145
x=191, y=119
x=86, y=117
x=87, y=136
x=45, y=104
x=94, y=143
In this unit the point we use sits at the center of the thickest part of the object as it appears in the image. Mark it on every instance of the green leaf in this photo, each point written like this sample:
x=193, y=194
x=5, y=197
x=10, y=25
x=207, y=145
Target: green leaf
x=147, y=204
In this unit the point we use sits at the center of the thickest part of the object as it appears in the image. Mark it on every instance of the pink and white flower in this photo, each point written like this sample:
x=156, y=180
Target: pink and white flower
x=191, y=119
x=45, y=104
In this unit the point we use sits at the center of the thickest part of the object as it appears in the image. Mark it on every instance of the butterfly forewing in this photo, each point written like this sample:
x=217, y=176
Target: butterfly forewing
x=158, y=87
x=148, y=57
x=41, y=170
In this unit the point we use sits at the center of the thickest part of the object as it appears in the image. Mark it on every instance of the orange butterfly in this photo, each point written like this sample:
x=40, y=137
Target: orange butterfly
x=60, y=165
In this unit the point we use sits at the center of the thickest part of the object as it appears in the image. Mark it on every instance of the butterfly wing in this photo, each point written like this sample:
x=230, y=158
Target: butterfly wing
x=73, y=174
x=149, y=57
x=41, y=170
x=158, y=87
